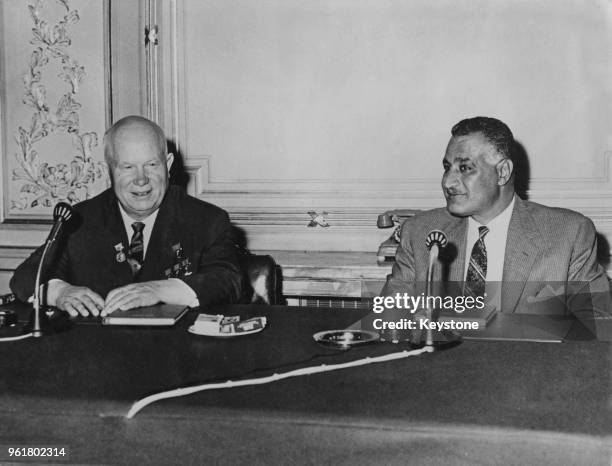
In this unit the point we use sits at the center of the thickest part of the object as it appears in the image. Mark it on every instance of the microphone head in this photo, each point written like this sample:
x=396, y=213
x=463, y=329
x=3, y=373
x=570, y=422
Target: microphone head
x=436, y=237
x=62, y=211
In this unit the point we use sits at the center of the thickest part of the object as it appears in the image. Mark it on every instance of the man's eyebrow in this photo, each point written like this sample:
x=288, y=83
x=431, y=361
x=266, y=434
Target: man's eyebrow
x=457, y=159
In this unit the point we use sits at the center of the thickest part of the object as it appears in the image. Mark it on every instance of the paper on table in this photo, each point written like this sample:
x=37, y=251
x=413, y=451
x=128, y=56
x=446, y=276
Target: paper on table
x=226, y=326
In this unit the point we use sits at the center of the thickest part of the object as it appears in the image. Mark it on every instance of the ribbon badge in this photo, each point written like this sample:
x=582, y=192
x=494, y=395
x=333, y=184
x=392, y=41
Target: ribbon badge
x=120, y=256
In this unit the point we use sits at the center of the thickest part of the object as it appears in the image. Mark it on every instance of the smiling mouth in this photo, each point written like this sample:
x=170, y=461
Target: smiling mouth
x=143, y=194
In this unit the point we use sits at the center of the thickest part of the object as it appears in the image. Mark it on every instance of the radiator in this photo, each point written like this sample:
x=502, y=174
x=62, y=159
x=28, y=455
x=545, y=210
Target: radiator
x=328, y=302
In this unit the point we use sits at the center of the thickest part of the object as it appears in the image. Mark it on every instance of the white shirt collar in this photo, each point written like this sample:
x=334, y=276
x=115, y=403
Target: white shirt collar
x=148, y=229
x=500, y=222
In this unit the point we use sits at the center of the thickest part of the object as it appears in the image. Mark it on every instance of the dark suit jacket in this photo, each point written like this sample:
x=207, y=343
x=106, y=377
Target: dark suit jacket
x=88, y=255
x=550, y=259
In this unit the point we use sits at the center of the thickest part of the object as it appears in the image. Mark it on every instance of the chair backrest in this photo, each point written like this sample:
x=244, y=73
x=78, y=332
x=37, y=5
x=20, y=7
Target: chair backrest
x=260, y=280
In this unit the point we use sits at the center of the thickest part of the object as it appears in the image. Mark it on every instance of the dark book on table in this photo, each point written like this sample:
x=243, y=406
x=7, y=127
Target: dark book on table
x=159, y=314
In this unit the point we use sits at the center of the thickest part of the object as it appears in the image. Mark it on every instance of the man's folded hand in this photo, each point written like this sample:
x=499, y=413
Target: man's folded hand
x=171, y=291
x=132, y=296
x=75, y=300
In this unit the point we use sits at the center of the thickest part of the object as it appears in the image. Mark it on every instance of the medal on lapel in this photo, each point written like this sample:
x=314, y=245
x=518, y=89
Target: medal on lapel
x=120, y=256
x=177, y=249
x=184, y=262
x=181, y=265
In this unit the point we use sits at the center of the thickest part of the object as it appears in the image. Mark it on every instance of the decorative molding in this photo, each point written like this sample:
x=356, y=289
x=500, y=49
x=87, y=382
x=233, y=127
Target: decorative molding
x=13, y=256
x=357, y=202
x=39, y=182
x=201, y=166
x=164, y=60
x=318, y=219
x=108, y=79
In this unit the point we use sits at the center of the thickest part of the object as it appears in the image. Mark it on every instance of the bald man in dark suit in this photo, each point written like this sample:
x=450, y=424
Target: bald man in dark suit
x=142, y=241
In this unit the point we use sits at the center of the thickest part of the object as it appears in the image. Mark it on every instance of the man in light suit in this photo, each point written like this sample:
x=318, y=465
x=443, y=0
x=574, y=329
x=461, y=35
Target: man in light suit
x=524, y=257
x=140, y=242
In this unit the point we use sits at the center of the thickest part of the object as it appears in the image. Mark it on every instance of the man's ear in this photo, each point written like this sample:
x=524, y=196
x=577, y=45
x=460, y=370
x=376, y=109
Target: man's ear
x=169, y=160
x=504, y=171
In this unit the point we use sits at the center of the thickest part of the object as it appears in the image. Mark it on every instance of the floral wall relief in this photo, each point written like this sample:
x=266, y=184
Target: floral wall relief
x=43, y=184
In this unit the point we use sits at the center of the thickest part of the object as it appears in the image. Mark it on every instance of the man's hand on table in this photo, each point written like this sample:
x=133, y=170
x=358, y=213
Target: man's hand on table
x=80, y=300
x=75, y=300
x=171, y=291
x=133, y=295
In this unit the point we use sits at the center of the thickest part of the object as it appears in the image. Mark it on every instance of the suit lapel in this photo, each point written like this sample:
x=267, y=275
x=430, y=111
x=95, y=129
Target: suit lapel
x=457, y=233
x=522, y=250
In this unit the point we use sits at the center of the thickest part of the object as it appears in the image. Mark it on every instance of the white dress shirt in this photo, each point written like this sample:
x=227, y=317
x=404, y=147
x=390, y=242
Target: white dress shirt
x=495, y=243
x=149, y=222
x=146, y=232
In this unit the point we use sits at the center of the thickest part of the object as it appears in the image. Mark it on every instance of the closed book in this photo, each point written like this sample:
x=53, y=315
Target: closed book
x=158, y=314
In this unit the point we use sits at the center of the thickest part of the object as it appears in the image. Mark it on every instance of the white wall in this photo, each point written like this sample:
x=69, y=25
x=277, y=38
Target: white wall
x=326, y=90
x=286, y=106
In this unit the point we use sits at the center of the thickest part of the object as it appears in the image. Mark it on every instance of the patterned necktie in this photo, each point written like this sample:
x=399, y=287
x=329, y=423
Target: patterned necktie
x=135, y=253
x=476, y=277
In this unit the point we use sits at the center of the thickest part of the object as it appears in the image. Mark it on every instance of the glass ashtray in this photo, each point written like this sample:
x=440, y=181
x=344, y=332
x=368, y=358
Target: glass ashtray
x=345, y=339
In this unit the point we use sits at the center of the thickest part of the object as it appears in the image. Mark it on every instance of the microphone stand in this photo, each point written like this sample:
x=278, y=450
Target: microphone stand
x=435, y=241
x=36, y=330
x=61, y=213
x=433, y=256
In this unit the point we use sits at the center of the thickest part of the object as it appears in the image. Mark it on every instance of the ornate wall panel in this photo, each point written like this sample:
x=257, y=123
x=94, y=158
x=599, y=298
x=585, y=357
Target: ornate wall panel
x=53, y=105
x=282, y=108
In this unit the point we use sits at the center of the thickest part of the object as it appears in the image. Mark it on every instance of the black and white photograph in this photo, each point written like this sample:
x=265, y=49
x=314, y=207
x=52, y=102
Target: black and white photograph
x=272, y=232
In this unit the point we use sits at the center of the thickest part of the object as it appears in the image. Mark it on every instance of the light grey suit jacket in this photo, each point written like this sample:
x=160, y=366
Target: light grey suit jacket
x=550, y=261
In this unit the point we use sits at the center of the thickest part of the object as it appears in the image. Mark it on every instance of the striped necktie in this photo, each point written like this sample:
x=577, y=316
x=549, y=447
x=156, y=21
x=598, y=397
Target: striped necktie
x=135, y=255
x=476, y=277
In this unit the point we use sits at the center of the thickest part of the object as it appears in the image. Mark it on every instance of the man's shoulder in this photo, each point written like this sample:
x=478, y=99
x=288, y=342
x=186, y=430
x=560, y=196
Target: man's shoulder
x=432, y=218
x=441, y=213
x=558, y=224
x=427, y=220
x=553, y=217
x=191, y=206
x=95, y=203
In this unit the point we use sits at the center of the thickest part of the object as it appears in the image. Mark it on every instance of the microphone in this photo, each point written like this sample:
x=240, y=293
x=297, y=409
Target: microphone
x=436, y=238
x=61, y=214
x=435, y=241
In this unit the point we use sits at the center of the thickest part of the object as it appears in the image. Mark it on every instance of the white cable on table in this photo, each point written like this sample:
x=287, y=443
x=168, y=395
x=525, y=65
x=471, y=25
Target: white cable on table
x=136, y=407
x=19, y=337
